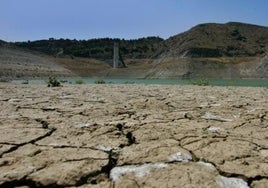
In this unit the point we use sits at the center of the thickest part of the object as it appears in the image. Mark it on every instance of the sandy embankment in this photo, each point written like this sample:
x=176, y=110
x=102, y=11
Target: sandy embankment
x=133, y=135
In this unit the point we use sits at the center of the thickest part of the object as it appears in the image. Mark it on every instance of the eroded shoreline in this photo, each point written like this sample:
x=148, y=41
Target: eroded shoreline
x=136, y=135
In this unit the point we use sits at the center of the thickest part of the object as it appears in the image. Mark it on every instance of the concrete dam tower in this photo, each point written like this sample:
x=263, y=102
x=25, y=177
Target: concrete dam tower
x=117, y=61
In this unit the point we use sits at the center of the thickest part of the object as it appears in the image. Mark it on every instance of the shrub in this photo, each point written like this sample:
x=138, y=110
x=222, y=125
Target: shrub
x=63, y=81
x=79, y=82
x=53, y=82
x=200, y=82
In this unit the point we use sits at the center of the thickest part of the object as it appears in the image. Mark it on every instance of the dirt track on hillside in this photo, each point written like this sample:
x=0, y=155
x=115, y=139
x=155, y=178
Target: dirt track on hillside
x=133, y=136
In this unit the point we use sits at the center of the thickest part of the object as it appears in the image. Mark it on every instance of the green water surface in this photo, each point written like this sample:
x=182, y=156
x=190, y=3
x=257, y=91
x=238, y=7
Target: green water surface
x=211, y=82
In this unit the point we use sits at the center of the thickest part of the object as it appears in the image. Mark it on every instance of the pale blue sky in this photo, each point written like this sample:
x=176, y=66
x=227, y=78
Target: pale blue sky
x=22, y=20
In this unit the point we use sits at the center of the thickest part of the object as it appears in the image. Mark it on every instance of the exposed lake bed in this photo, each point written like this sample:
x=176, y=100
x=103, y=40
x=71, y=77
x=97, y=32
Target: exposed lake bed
x=136, y=135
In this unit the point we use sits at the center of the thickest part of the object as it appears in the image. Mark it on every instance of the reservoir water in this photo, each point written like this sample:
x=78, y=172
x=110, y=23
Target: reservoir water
x=212, y=82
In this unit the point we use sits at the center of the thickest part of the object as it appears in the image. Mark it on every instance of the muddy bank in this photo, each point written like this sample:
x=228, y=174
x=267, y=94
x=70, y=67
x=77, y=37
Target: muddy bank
x=133, y=136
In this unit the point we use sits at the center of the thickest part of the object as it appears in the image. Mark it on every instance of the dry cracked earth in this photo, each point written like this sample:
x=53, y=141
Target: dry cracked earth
x=133, y=136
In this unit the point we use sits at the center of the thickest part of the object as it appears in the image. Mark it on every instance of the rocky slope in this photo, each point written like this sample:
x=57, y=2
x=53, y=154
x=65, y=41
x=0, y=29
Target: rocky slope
x=133, y=136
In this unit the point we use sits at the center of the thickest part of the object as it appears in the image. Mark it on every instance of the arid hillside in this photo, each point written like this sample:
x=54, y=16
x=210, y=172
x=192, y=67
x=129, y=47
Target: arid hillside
x=18, y=63
x=218, y=40
x=231, y=50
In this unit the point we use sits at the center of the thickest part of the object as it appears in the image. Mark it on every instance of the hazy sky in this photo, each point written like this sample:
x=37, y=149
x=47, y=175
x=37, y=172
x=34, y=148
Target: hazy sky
x=22, y=20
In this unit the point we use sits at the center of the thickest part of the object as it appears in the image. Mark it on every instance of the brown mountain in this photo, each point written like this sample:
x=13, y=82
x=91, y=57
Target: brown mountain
x=219, y=40
x=231, y=50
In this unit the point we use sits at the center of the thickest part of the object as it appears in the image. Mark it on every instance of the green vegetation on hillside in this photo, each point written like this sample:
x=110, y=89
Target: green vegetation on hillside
x=2, y=42
x=204, y=40
x=95, y=48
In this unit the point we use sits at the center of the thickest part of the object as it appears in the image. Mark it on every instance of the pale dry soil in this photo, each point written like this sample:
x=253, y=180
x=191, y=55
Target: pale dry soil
x=133, y=136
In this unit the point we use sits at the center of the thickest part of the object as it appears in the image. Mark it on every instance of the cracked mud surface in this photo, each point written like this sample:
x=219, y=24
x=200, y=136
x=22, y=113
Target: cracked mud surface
x=133, y=136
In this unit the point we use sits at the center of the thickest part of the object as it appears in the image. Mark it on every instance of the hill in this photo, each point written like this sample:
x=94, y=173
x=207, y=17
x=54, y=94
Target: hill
x=2, y=42
x=16, y=63
x=219, y=40
x=231, y=50
x=101, y=49
x=89, y=58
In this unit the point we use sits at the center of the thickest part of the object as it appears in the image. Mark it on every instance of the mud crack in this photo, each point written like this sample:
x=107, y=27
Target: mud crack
x=16, y=146
x=113, y=158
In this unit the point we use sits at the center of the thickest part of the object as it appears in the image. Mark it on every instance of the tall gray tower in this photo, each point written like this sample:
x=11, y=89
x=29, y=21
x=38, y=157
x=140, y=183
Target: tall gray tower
x=117, y=61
